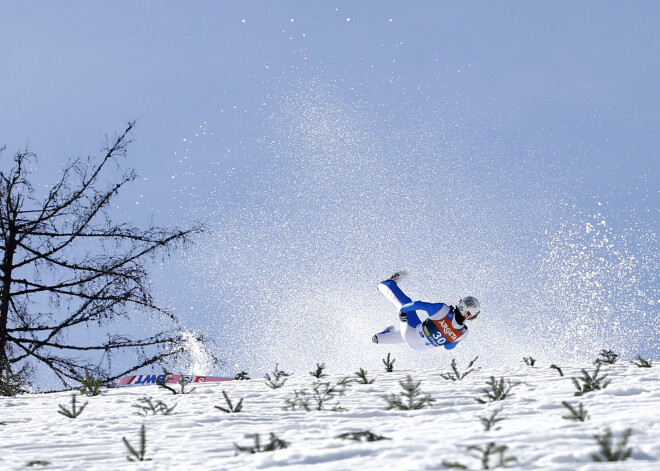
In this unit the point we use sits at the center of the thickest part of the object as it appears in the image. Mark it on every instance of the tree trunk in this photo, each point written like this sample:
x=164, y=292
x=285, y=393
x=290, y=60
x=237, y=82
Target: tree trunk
x=5, y=294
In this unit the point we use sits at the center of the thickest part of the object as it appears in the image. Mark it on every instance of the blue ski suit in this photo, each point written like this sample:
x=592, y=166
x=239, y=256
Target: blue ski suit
x=440, y=329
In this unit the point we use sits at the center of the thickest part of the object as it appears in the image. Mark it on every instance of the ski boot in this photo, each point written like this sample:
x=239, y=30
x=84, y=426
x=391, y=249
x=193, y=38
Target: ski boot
x=398, y=276
x=390, y=328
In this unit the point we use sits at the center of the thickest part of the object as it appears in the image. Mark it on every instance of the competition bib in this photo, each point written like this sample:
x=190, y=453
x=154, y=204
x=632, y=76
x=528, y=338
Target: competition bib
x=441, y=332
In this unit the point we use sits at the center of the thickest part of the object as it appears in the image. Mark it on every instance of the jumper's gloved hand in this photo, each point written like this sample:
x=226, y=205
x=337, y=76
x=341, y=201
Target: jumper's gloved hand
x=403, y=316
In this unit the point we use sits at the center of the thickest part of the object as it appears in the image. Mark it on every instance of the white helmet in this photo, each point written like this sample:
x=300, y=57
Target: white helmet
x=469, y=307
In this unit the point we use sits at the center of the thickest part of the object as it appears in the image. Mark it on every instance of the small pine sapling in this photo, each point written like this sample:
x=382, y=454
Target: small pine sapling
x=484, y=454
x=319, y=371
x=411, y=391
x=490, y=422
x=11, y=384
x=389, y=364
x=161, y=381
x=147, y=406
x=90, y=386
x=576, y=414
x=529, y=361
x=301, y=400
x=499, y=391
x=322, y=393
x=362, y=374
x=33, y=463
x=182, y=384
x=453, y=465
x=610, y=453
x=363, y=436
x=242, y=376
x=561, y=373
x=230, y=407
x=278, y=379
x=607, y=356
x=75, y=411
x=274, y=444
x=457, y=375
x=138, y=455
x=642, y=363
x=590, y=382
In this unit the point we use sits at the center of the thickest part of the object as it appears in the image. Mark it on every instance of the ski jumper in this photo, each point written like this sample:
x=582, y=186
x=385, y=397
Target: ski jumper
x=440, y=329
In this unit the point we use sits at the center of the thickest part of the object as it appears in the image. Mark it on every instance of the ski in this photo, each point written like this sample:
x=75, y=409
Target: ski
x=142, y=380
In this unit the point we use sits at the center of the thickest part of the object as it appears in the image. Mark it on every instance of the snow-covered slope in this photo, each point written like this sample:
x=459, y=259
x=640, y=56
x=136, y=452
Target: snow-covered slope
x=199, y=436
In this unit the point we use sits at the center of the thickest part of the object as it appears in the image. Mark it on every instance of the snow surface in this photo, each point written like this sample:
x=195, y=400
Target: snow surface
x=197, y=435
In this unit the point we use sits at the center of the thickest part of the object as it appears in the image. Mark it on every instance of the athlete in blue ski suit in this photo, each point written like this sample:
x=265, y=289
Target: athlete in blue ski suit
x=444, y=327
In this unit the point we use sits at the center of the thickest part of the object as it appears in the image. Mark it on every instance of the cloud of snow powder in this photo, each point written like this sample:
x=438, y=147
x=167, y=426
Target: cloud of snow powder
x=340, y=186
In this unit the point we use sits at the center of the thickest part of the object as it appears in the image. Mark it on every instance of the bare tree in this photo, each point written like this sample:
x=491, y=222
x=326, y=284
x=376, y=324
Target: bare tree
x=68, y=268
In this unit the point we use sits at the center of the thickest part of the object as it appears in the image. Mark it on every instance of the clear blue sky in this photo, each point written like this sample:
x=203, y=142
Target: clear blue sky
x=481, y=145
